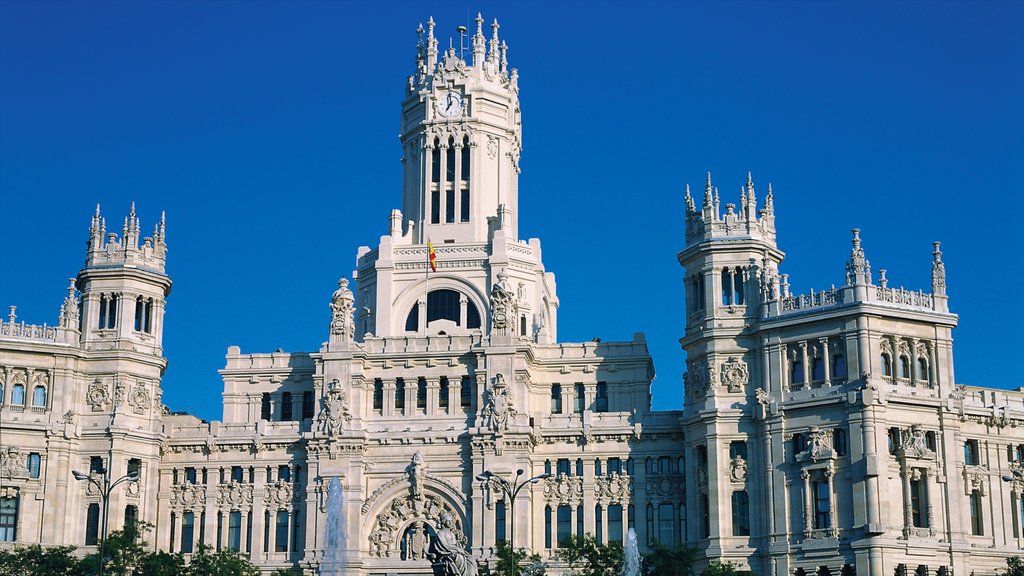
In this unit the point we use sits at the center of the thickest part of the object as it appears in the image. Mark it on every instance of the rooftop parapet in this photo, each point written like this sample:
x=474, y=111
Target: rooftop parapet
x=107, y=249
x=746, y=221
x=489, y=58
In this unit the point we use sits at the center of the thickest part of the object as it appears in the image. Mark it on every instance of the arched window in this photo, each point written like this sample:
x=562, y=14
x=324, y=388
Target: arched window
x=738, y=286
x=922, y=369
x=797, y=375
x=886, y=365
x=904, y=367
x=818, y=369
x=39, y=396
x=412, y=321
x=435, y=179
x=449, y=193
x=839, y=366
x=18, y=395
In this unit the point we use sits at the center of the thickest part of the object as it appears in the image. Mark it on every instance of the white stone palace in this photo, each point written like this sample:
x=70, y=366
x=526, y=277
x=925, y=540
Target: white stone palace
x=822, y=433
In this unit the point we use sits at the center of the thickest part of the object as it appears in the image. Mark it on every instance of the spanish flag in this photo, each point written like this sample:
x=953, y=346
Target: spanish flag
x=431, y=256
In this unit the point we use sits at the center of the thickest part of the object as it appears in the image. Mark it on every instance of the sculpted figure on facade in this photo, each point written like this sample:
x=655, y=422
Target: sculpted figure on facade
x=499, y=409
x=341, y=311
x=448, y=549
x=502, y=302
x=139, y=398
x=69, y=309
x=334, y=410
x=13, y=464
x=417, y=474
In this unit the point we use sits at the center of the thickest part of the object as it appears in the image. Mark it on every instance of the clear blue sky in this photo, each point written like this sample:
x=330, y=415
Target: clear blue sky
x=268, y=132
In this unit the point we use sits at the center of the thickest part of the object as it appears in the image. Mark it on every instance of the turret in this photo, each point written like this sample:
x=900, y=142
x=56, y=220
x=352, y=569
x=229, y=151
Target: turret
x=123, y=287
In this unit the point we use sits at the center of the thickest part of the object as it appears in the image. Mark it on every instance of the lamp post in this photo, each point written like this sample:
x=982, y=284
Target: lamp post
x=105, y=487
x=511, y=490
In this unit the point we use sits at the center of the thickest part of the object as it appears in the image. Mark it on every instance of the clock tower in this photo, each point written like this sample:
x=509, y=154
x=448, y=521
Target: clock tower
x=461, y=138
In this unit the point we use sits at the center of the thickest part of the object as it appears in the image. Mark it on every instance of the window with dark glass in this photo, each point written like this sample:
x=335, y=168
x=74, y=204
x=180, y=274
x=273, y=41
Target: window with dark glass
x=237, y=474
x=399, y=394
x=499, y=522
x=556, y=398
x=547, y=526
x=904, y=367
x=449, y=208
x=726, y=287
x=665, y=465
x=265, y=413
x=971, y=453
x=131, y=517
x=614, y=523
x=579, y=521
x=286, y=406
x=597, y=468
x=579, y=467
x=188, y=525
x=421, y=393
x=563, y=466
x=235, y=530
x=839, y=441
x=886, y=365
x=839, y=366
x=893, y=439
x=281, y=534
x=738, y=449
x=412, y=321
x=922, y=369
x=444, y=305
x=651, y=534
x=818, y=369
x=284, y=473
x=465, y=158
x=9, y=519
x=464, y=206
x=450, y=161
x=977, y=528
x=797, y=375
x=173, y=533
x=919, y=503
x=601, y=400
x=378, y=394
x=666, y=524
x=740, y=513
x=564, y=525
x=615, y=465
x=190, y=475
x=580, y=399
x=443, y=393
x=92, y=524
x=472, y=316
x=307, y=405
x=267, y=529
x=466, y=392
x=599, y=524
x=96, y=465
x=34, y=464
x=822, y=505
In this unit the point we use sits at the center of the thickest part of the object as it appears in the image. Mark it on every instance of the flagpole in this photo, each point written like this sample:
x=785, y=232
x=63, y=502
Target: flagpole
x=426, y=283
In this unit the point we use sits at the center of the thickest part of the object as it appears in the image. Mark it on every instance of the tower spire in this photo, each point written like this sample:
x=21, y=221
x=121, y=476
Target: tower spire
x=858, y=269
x=479, y=43
x=938, y=271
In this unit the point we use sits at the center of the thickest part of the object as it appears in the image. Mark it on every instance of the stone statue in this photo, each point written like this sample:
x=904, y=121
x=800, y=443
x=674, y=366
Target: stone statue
x=499, y=409
x=448, y=550
x=502, y=299
x=417, y=473
x=342, y=303
x=334, y=412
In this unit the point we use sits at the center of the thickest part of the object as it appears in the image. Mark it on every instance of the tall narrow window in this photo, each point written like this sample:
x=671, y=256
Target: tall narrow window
x=307, y=405
x=147, y=317
x=296, y=529
x=464, y=200
x=286, y=406
x=281, y=535
x=556, y=398
x=651, y=534
x=822, y=505
x=443, y=393
x=580, y=399
x=904, y=367
x=467, y=392
x=9, y=519
x=421, y=393
x=522, y=325
x=886, y=365
x=579, y=466
x=450, y=161
x=839, y=441
x=922, y=370
x=399, y=394
x=614, y=523
x=666, y=524
x=465, y=158
x=818, y=370
x=34, y=463
x=563, y=467
x=173, y=532
x=971, y=453
x=190, y=475
x=112, y=311
x=726, y=287
x=740, y=513
x=188, y=525
x=738, y=449
x=682, y=523
x=601, y=400
x=614, y=465
x=18, y=395
x=267, y=528
x=919, y=502
x=248, y=532
x=131, y=517
x=235, y=530
x=220, y=529
x=499, y=522
x=284, y=473
x=547, y=527
x=237, y=474
x=102, y=312
x=449, y=193
x=378, y=394
x=599, y=524
x=839, y=366
x=579, y=522
x=140, y=307
x=564, y=533
x=738, y=286
x=797, y=374
x=449, y=208
x=630, y=517
x=92, y=524
x=977, y=528
x=265, y=406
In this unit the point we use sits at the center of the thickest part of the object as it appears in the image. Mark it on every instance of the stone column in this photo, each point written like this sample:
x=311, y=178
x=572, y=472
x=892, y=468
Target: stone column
x=908, y=506
x=808, y=506
x=454, y=395
x=411, y=385
x=827, y=360
x=833, y=512
x=913, y=361
x=804, y=364
x=388, y=407
x=433, y=395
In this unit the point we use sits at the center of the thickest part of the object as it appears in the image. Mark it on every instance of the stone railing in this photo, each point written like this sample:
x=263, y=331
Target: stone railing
x=801, y=302
x=24, y=331
x=903, y=297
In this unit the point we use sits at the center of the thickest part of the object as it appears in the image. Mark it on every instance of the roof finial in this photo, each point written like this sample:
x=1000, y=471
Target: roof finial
x=479, y=24
x=750, y=179
x=708, y=191
x=97, y=209
x=430, y=27
x=938, y=271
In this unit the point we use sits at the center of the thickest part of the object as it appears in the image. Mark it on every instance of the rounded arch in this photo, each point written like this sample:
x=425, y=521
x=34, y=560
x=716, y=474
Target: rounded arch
x=393, y=511
x=412, y=293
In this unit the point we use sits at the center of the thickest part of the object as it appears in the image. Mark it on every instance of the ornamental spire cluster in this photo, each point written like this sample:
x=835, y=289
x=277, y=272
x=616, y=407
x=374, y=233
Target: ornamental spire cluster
x=738, y=220
x=106, y=248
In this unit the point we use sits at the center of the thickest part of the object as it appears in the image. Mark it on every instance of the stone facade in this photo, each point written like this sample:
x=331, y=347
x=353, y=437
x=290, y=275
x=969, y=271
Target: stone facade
x=821, y=433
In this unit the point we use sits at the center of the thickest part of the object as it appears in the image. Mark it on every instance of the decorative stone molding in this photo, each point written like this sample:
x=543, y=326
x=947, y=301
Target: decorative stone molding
x=664, y=487
x=974, y=479
x=190, y=496
x=98, y=396
x=234, y=495
x=139, y=398
x=914, y=443
x=280, y=495
x=564, y=489
x=498, y=410
x=819, y=446
x=738, y=469
x=404, y=511
x=9, y=492
x=614, y=488
x=502, y=305
x=13, y=464
x=334, y=410
x=735, y=374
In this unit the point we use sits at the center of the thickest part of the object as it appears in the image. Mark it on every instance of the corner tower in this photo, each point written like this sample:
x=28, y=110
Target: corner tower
x=461, y=138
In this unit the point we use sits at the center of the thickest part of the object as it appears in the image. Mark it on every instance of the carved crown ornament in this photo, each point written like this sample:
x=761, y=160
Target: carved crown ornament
x=734, y=374
x=614, y=488
x=391, y=522
x=564, y=489
x=280, y=495
x=819, y=446
x=189, y=496
x=234, y=495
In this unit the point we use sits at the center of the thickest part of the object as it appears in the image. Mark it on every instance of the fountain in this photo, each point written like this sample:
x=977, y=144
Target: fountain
x=631, y=555
x=332, y=563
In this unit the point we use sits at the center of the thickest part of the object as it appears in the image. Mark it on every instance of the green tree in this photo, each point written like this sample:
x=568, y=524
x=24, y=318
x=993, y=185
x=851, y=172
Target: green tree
x=664, y=561
x=717, y=568
x=508, y=559
x=1014, y=567
x=207, y=562
x=586, y=557
x=127, y=555
x=36, y=560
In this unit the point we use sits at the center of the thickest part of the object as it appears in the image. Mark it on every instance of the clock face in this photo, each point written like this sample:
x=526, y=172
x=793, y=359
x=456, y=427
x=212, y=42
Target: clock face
x=449, y=104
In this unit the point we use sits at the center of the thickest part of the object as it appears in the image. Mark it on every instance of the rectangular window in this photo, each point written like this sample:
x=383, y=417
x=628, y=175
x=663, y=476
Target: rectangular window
x=464, y=207
x=236, y=474
x=265, y=406
x=598, y=524
x=235, y=530
x=971, y=457
x=665, y=465
x=220, y=529
x=248, y=532
x=92, y=524
x=630, y=517
x=563, y=466
x=281, y=536
x=174, y=532
x=435, y=206
x=579, y=467
x=977, y=528
x=919, y=503
x=443, y=393
x=564, y=526
x=650, y=526
x=307, y=405
x=266, y=530
x=466, y=392
x=421, y=393
x=601, y=401
x=296, y=529
x=547, y=527
x=449, y=208
x=286, y=406
x=614, y=523
x=9, y=519
x=134, y=466
x=400, y=394
x=284, y=473
x=34, y=464
x=740, y=513
x=579, y=521
x=499, y=522
x=202, y=528
x=188, y=526
x=131, y=516
x=580, y=400
x=96, y=465
x=556, y=398
x=839, y=441
x=378, y=394
x=614, y=465
x=666, y=524
x=738, y=449
x=190, y=475
x=822, y=505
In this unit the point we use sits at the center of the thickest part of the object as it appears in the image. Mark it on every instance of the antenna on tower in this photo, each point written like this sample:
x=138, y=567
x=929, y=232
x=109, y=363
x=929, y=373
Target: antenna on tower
x=462, y=40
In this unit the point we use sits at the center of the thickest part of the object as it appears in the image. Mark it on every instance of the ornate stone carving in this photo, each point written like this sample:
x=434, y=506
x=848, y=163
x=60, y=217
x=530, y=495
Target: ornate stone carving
x=819, y=445
x=502, y=303
x=564, y=489
x=974, y=479
x=492, y=146
x=189, y=496
x=68, y=317
x=341, y=311
x=614, y=488
x=664, y=487
x=279, y=495
x=234, y=495
x=417, y=473
x=13, y=464
x=98, y=396
x=735, y=374
x=738, y=469
x=334, y=410
x=404, y=511
x=499, y=409
x=139, y=398
x=448, y=549
x=914, y=442
x=763, y=397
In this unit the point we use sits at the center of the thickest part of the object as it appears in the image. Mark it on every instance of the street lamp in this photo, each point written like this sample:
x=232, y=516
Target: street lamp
x=511, y=490
x=105, y=488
